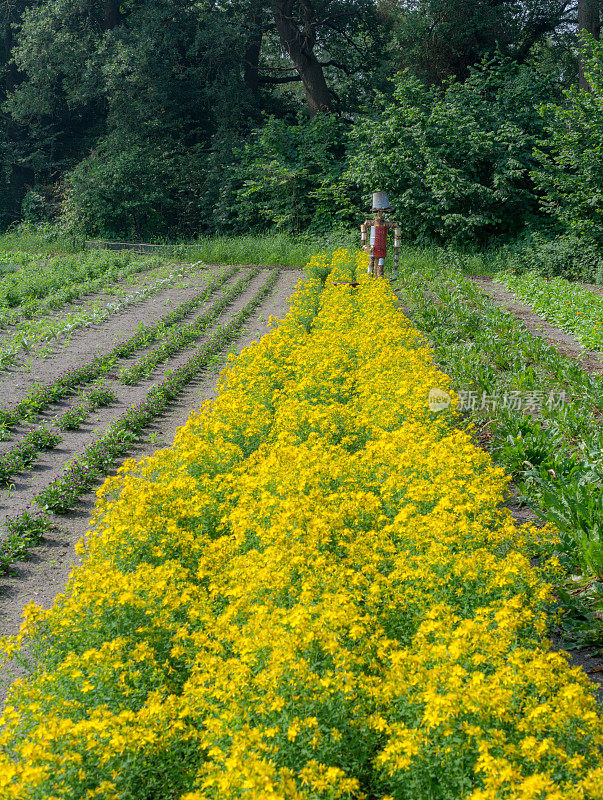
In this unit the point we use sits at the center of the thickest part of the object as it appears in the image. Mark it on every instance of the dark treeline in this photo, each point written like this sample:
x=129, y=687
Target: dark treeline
x=483, y=119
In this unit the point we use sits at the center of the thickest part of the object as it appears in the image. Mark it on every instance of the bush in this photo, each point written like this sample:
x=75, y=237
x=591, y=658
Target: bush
x=570, y=170
x=456, y=160
x=546, y=252
x=290, y=177
x=567, y=256
x=38, y=238
x=135, y=188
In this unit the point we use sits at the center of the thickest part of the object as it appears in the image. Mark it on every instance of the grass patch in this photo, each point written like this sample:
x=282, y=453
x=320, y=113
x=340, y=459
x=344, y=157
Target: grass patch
x=41, y=239
x=269, y=250
x=266, y=249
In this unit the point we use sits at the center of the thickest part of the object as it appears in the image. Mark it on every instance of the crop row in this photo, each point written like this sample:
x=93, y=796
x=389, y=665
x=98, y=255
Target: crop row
x=98, y=397
x=313, y=594
x=23, y=531
x=25, y=452
x=103, y=396
x=572, y=307
x=184, y=335
x=28, y=337
x=538, y=411
x=43, y=395
x=32, y=285
x=61, y=494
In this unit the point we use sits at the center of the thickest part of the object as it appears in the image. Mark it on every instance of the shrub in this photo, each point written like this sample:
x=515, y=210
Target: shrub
x=290, y=177
x=567, y=256
x=456, y=160
x=134, y=188
x=570, y=170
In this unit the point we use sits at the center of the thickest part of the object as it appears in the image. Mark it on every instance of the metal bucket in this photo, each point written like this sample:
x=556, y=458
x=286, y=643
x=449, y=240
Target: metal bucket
x=380, y=202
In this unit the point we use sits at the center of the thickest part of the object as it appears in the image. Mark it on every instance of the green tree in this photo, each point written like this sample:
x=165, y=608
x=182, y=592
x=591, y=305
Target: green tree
x=12, y=178
x=110, y=84
x=332, y=45
x=570, y=168
x=288, y=176
x=589, y=22
x=440, y=39
x=99, y=80
x=456, y=160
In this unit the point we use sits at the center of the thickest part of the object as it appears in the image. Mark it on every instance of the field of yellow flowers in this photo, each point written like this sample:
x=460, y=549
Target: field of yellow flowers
x=313, y=594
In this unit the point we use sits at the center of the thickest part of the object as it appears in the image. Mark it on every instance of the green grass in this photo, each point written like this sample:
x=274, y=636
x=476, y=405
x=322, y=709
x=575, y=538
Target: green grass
x=486, y=263
x=269, y=250
x=41, y=239
x=428, y=257
x=266, y=249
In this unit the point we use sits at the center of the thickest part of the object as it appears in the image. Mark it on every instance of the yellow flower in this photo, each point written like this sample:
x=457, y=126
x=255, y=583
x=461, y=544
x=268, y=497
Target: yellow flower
x=312, y=594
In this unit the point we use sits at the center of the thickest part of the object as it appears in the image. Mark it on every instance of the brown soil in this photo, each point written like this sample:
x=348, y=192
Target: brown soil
x=566, y=343
x=45, y=572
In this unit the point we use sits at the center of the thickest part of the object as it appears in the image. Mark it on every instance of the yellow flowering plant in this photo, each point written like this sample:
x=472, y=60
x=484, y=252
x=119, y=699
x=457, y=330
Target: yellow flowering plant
x=315, y=593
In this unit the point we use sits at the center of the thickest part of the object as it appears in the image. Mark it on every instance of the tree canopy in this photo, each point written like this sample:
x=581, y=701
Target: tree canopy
x=173, y=117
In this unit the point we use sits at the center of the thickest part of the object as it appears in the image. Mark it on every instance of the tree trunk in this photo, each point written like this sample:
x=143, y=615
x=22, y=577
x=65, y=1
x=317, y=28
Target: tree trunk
x=589, y=20
x=112, y=14
x=299, y=45
x=252, y=51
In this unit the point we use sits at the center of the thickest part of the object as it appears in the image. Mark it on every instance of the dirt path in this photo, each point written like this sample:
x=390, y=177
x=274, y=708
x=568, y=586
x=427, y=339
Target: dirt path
x=44, y=574
x=566, y=343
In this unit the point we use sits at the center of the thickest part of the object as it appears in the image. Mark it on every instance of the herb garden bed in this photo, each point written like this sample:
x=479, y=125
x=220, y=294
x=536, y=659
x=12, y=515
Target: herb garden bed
x=315, y=593
x=80, y=413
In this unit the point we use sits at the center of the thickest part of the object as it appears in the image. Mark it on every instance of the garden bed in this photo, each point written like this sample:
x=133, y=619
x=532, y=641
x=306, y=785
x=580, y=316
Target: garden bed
x=316, y=592
x=42, y=572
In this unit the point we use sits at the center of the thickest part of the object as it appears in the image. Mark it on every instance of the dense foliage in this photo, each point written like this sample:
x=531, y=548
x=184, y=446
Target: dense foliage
x=571, y=170
x=170, y=119
x=289, y=175
x=457, y=159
